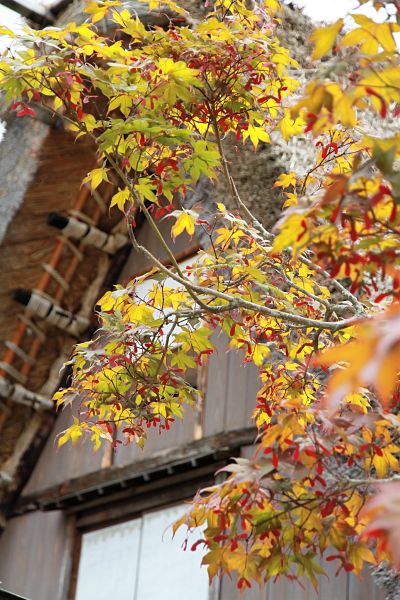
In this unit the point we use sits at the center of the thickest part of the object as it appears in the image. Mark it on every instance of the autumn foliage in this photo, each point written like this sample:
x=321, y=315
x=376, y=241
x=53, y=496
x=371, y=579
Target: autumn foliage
x=313, y=303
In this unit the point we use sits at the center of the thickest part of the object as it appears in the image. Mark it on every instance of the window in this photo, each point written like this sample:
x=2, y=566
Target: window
x=139, y=560
x=108, y=562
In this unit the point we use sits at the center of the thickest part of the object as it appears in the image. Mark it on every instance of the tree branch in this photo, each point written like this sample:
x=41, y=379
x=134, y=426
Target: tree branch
x=237, y=302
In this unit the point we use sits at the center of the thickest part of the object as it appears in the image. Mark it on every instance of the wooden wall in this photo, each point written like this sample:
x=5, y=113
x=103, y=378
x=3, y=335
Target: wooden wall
x=55, y=465
x=231, y=388
x=138, y=264
x=35, y=552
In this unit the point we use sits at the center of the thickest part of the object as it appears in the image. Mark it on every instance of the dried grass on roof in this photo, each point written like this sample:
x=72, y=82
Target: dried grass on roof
x=29, y=242
x=19, y=154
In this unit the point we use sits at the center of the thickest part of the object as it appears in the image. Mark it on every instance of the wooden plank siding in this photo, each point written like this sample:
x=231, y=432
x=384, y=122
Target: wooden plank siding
x=138, y=264
x=56, y=465
x=35, y=551
x=230, y=591
x=230, y=398
x=364, y=588
x=109, y=480
x=181, y=432
x=217, y=381
x=231, y=390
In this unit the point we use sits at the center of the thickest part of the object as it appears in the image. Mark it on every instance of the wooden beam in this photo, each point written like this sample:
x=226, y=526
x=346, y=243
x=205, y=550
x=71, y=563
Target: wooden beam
x=110, y=480
x=60, y=7
x=135, y=490
x=115, y=512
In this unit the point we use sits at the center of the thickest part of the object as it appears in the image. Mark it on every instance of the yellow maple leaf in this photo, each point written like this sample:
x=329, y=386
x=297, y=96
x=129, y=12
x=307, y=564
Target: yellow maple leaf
x=360, y=553
x=73, y=433
x=324, y=38
x=286, y=180
x=256, y=134
x=99, y=10
x=290, y=125
x=107, y=302
x=95, y=177
x=344, y=111
x=185, y=222
x=120, y=198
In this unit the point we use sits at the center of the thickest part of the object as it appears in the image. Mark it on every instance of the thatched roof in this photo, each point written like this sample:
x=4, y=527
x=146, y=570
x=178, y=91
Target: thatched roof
x=19, y=154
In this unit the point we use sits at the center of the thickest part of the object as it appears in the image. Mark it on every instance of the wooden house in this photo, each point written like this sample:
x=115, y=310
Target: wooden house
x=79, y=525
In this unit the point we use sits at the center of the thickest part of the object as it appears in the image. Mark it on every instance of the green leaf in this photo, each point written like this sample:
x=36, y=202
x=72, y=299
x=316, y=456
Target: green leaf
x=145, y=189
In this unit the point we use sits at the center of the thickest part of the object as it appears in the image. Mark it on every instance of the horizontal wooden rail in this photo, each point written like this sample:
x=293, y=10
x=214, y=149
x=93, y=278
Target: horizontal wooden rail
x=80, y=491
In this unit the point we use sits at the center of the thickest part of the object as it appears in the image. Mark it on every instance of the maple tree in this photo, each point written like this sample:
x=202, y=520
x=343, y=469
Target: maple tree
x=313, y=303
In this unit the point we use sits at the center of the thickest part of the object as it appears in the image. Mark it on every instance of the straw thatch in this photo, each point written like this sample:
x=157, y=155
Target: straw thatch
x=19, y=153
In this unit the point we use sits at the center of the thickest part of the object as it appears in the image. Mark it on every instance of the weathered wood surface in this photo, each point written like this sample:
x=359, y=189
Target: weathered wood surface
x=137, y=264
x=364, y=588
x=134, y=493
x=231, y=390
x=231, y=387
x=34, y=552
x=229, y=591
x=56, y=465
x=230, y=398
x=181, y=433
x=133, y=506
